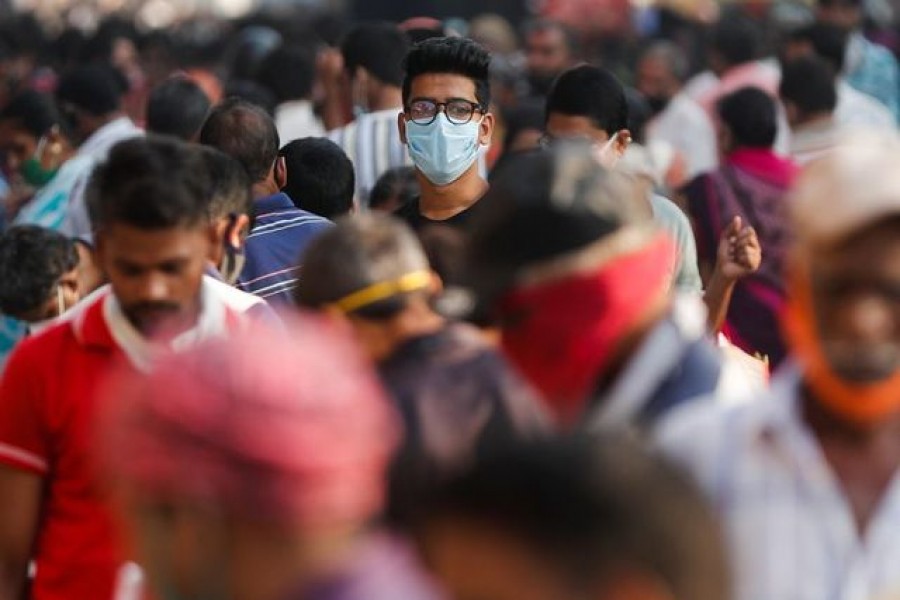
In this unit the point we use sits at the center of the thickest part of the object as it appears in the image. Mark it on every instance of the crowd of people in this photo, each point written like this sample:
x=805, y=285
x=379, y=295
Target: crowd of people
x=420, y=311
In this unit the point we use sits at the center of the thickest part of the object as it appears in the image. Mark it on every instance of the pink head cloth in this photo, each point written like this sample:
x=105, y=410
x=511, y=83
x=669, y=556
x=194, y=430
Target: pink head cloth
x=286, y=426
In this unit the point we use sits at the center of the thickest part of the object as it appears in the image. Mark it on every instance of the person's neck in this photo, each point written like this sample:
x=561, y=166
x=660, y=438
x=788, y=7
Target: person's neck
x=264, y=189
x=99, y=123
x=443, y=202
x=816, y=121
x=384, y=98
x=417, y=322
x=828, y=426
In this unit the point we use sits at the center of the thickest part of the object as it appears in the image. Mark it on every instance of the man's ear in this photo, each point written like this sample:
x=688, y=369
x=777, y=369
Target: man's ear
x=279, y=171
x=401, y=126
x=486, y=129
x=238, y=230
x=216, y=234
x=622, y=142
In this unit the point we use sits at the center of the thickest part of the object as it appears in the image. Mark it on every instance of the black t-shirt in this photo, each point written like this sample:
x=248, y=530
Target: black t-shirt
x=414, y=218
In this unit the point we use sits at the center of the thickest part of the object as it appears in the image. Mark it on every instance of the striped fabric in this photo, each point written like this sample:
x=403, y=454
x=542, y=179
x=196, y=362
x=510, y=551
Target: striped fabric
x=372, y=143
x=274, y=247
x=790, y=529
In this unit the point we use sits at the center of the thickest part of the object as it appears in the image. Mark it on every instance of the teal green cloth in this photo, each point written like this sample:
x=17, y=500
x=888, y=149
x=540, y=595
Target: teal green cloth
x=674, y=221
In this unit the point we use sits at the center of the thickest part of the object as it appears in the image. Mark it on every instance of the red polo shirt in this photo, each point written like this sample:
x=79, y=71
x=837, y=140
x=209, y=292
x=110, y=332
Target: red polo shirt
x=48, y=403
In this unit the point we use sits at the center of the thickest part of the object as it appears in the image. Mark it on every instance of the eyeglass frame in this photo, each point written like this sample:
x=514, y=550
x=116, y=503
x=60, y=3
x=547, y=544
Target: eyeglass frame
x=475, y=106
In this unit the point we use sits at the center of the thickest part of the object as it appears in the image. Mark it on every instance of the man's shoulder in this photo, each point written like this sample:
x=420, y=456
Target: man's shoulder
x=670, y=214
x=53, y=345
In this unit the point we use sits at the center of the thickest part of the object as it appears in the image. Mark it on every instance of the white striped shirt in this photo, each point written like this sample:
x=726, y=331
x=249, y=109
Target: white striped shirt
x=372, y=142
x=791, y=531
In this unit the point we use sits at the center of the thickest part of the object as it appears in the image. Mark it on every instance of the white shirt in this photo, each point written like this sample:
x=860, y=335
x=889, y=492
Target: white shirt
x=93, y=151
x=216, y=299
x=809, y=142
x=658, y=355
x=142, y=353
x=861, y=110
x=790, y=529
x=372, y=143
x=295, y=120
x=687, y=127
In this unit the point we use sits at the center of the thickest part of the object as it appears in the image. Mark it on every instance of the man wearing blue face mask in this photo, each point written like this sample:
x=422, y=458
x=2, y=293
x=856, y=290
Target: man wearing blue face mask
x=445, y=123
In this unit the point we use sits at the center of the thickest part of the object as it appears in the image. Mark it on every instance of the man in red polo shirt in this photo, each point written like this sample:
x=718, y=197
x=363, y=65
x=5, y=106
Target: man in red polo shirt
x=148, y=208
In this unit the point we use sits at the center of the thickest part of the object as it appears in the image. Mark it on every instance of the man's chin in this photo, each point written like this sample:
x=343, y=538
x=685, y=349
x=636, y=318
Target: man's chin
x=159, y=327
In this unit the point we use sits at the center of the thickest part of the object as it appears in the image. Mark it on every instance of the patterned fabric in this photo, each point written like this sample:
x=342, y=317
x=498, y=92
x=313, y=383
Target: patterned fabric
x=751, y=184
x=50, y=205
x=788, y=523
x=372, y=142
x=274, y=247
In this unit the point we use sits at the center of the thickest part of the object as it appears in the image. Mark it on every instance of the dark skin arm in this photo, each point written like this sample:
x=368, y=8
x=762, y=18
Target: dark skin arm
x=19, y=513
x=738, y=255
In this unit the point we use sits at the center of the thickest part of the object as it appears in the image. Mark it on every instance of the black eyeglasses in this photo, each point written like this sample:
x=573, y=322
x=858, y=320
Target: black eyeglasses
x=459, y=112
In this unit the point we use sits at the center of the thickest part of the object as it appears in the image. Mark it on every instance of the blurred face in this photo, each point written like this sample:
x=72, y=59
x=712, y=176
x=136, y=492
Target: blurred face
x=17, y=146
x=579, y=128
x=156, y=274
x=547, y=53
x=656, y=82
x=474, y=562
x=856, y=293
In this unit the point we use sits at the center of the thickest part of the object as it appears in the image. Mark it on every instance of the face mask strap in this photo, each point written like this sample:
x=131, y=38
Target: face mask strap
x=60, y=299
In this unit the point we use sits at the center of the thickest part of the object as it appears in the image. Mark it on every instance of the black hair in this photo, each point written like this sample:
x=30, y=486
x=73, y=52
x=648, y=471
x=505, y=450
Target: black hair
x=96, y=89
x=736, y=39
x=751, y=116
x=177, y=107
x=32, y=261
x=829, y=42
x=458, y=56
x=150, y=183
x=101, y=45
x=34, y=112
x=379, y=48
x=527, y=114
x=245, y=132
x=592, y=92
x=230, y=188
x=590, y=506
x=399, y=183
x=639, y=114
x=320, y=177
x=573, y=44
x=288, y=72
x=809, y=84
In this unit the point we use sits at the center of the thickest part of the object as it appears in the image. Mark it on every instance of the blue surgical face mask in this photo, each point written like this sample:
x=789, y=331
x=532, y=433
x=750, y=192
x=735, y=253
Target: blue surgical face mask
x=441, y=150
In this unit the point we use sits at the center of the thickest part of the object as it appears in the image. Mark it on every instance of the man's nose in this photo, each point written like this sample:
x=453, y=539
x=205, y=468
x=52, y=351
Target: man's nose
x=870, y=318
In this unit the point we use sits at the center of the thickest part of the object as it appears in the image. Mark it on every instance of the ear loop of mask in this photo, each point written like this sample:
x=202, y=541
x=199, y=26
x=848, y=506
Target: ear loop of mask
x=60, y=299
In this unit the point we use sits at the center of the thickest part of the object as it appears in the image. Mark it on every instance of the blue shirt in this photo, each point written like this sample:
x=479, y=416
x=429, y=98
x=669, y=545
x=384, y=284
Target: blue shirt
x=274, y=248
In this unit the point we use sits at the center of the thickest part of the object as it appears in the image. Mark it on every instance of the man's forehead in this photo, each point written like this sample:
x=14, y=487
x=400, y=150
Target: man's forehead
x=162, y=239
x=442, y=86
